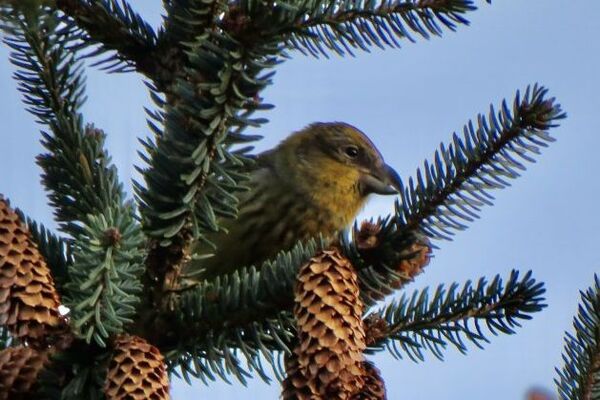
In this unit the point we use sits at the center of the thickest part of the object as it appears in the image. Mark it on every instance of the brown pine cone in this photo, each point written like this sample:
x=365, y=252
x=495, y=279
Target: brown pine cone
x=136, y=372
x=28, y=299
x=374, y=388
x=19, y=369
x=331, y=337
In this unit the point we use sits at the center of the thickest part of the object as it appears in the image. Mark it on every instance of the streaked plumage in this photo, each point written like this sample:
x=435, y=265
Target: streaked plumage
x=314, y=182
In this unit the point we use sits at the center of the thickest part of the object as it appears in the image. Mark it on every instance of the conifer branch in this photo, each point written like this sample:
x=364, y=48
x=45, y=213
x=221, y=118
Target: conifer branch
x=251, y=295
x=239, y=352
x=242, y=330
x=192, y=175
x=455, y=315
x=104, y=287
x=451, y=189
x=187, y=19
x=76, y=169
x=189, y=161
x=385, y=266
x=247, y=295
x=317, y=28
x=76, y=373
x=102, y=284
x=579, y=378
x=115, y=26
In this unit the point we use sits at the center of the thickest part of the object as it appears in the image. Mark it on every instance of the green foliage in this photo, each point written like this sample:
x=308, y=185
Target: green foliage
x=104, y=287
x=187, y=19
x=321, y=27
x=450, y=190
x=246, y=295
x=113, y=25
x=75, y=374
x=102, y=283
x=456, y=316
x=243, y=314
x=238, y=352
x=579, y=378
x=51, y=80
x=193, y=173
x=242, y=332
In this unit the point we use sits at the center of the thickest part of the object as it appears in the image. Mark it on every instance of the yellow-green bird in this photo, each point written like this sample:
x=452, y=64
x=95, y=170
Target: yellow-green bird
x=314, y=182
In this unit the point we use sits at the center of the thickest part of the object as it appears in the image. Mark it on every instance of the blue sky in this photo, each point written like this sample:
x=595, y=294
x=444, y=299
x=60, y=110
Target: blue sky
x=408, y=101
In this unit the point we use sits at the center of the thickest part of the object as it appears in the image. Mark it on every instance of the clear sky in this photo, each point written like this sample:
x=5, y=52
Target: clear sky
x=409, y=100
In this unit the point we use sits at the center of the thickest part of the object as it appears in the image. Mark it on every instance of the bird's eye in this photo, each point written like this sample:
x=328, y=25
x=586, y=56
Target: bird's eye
x=351, y=151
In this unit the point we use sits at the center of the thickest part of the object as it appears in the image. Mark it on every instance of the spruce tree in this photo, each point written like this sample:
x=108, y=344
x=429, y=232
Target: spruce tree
x=311, y=316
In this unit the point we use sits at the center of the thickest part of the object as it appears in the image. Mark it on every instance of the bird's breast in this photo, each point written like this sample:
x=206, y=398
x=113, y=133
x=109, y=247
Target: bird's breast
x=277, y=219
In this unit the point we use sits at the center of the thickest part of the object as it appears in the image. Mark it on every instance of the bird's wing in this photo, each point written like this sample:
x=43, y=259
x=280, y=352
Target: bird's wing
x=232, y=241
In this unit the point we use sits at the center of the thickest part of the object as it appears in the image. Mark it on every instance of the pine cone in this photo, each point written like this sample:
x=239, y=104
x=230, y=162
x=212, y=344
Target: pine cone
x=136, y=372
x=331, y=337
x=374, y=388
x=28, y=299
x=418, y=256
x=295, y=385
x=407, y=256
x=368, y=236
x=376, y=328
x=19, y=369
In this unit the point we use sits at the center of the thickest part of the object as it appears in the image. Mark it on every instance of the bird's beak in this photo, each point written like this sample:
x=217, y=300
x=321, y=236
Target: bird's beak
x=382, y=180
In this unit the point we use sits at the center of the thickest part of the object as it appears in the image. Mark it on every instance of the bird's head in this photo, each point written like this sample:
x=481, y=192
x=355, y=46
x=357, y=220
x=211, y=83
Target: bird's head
x=333, y=161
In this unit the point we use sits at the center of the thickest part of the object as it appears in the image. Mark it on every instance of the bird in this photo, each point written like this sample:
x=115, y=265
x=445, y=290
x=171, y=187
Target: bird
x=314, y=183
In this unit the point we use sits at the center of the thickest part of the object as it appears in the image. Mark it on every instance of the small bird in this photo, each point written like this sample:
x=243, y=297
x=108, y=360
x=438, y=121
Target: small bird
x=314, y=182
